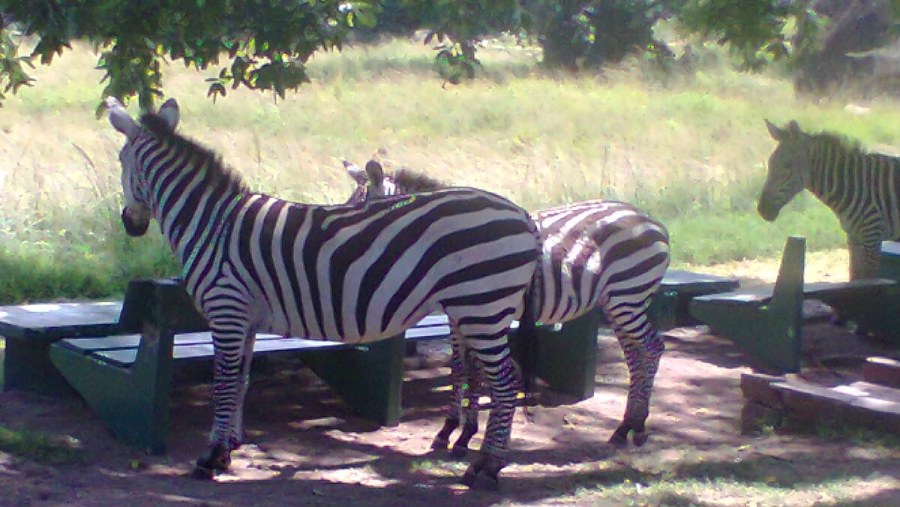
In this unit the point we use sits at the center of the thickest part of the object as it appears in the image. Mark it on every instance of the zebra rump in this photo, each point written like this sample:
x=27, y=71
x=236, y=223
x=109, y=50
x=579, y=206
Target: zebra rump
x=598, y=253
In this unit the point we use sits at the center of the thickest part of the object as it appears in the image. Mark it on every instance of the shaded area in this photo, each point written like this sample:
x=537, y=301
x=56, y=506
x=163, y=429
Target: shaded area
x=307, y=448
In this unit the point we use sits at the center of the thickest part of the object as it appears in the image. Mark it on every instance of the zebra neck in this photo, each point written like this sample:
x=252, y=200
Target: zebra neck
x=193, y=215
x=826, y=174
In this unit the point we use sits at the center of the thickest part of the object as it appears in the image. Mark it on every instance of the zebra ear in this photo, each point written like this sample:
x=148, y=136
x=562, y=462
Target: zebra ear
x=120, y=119
x=170, y=113
x=776, y=133
x=375, y=171
x=793, y=128
x=358, y=175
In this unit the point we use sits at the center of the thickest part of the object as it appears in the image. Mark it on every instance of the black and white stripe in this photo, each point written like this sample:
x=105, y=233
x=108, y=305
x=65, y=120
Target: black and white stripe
x=862, y=189
x=254, y=263
x=599, y=253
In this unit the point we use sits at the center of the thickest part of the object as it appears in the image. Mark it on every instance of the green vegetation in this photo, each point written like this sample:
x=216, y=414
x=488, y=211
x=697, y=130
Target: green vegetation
x=39, y=447
x=690, y=148
x=687, y=475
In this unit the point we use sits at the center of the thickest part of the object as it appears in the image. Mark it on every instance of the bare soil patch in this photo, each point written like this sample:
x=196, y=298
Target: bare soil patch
x=308, y=449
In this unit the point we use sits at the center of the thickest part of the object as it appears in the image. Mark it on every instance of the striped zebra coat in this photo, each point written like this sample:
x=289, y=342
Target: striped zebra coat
x=862, y=189
x=598, y=253
x=254, y=263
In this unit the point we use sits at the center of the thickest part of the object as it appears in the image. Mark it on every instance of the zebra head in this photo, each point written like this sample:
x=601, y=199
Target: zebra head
x=788, y=169
x=136, y=213
x=372, y=183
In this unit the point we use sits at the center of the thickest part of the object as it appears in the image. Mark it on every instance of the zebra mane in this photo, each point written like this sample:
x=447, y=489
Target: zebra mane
x=217, y=174
x=412, y=181
x=842, y=142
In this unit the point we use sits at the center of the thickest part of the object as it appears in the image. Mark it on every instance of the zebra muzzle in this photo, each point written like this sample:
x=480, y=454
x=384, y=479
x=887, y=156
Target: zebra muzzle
x=134, y=227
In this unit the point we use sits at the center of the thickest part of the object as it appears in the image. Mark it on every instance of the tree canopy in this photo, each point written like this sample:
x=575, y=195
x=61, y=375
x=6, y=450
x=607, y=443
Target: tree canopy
x=266, y=43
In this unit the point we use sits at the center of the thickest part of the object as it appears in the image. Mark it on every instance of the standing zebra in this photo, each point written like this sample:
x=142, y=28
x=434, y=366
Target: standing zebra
x=253, y=263
x=862, y=189
x=595, y=253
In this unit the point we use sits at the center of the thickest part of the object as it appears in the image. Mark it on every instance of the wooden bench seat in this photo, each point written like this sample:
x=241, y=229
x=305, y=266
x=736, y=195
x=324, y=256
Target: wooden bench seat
x=670, y=307
x=767, y=321
x=123, y=368
x=28, y=331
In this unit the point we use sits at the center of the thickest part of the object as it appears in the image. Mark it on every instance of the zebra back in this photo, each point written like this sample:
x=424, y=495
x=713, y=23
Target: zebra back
x=594, y=252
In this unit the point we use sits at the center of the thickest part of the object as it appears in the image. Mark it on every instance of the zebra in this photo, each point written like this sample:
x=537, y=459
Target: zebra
x=598, y=253
x=862, y=189
x=255, y=263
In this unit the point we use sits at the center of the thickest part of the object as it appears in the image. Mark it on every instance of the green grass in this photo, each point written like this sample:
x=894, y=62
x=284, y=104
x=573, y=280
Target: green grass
x=35, y=446
x=686, y=475
x=691, y=150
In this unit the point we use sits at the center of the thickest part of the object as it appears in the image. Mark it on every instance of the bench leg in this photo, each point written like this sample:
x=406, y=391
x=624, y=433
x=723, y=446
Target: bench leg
x=665, y=312
x=25, y=364
x=567, y=358
x=368, y=377
x=133, y=402
x=769, y=333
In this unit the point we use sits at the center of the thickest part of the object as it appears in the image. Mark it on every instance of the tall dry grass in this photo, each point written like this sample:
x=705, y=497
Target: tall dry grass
x=690, y=149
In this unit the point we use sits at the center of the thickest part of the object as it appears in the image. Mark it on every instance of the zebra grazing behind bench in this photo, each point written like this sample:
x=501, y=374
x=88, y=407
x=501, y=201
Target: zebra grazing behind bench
x=861, y=188
x=598, y=253
x=254, y=263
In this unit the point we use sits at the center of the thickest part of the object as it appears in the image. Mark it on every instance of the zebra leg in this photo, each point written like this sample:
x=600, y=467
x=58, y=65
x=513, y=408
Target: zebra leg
x=483, y=472
x=643, y=350
x=459, y=383
x=228, y=368
x=237, y=428
x=468, y=406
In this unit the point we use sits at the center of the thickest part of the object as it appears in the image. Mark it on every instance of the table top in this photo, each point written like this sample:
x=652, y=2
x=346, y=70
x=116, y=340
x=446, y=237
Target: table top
x=685, y=281
x=890, y=248
x=58, y=320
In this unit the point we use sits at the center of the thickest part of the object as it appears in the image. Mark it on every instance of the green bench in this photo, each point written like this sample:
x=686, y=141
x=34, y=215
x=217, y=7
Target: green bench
x=678, y=288
x=567, y=354
x=125, y=376
x=120, y=356
x=767, y=322
x=28, y=330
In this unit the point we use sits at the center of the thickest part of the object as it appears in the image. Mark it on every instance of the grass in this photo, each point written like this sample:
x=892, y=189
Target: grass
x=691, y=150
x=39, y=447
x=686, y=475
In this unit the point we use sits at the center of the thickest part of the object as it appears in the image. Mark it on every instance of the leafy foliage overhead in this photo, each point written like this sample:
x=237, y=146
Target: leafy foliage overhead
x=267, y=43
x=754, y=29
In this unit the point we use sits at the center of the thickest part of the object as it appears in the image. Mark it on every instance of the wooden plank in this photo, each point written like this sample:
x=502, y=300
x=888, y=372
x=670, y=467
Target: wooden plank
x=815, y=289
x=690, y=282
x=52, y=321
x=428, y=333
x=760, y=295
x=890, y=248
x=289, y=344
x=122, y=358
x=114, y=342
x=439, y=319
x=121, y=350
x=882, y=370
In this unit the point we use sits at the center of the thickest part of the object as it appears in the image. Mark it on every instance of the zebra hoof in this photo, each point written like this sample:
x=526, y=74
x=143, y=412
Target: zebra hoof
x=440, y=444
x=202, y=473
x=639, y=438
x=217, y=459
x=619, y=439
x=471, y=474
x=459, y=451
x=484, y=481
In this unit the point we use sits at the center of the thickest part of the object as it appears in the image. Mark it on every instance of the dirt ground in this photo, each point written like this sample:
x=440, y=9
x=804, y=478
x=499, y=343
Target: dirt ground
x=308, y=449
